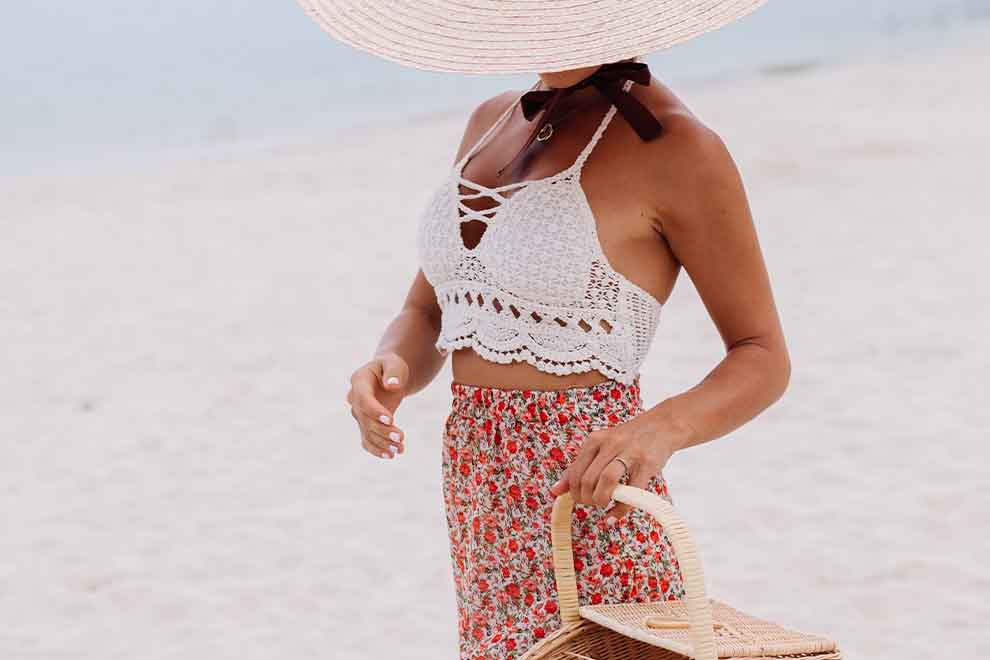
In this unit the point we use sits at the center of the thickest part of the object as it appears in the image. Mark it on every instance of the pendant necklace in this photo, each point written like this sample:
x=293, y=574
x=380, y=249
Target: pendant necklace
x=546, y=132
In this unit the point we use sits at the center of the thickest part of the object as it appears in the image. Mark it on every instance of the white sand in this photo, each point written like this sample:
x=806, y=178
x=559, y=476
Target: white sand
x=180, y=477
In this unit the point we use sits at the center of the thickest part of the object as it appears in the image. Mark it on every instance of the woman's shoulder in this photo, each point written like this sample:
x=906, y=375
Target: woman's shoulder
x=689, y=151
x=685, y=134
x=483, y=116
x=692, y=164
x=492, y=108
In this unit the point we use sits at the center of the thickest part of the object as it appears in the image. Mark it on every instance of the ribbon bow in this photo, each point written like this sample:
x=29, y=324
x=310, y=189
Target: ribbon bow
x=607, y=80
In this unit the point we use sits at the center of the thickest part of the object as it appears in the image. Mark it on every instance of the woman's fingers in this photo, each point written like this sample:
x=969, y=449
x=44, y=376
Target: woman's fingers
x=383, y=438
x=380, y=436
x=640, y=478
x=560, y=487
x=602, y=476
x=388, y=434
x=575, y=473
x=363, y=400
x=588, y=482
x=370, y=446
x=374, y=448
x=608, y=479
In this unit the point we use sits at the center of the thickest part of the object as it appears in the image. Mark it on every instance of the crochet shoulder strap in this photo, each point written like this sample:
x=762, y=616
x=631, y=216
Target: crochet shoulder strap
x=606, y=120
x=491, y=129
x=582, y=157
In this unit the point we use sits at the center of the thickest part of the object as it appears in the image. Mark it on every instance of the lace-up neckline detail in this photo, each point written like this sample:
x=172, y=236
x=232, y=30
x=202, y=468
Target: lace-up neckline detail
x=536, y=286
x=495, y=193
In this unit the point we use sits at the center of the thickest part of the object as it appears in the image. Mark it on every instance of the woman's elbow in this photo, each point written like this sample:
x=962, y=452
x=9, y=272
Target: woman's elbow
x=780, y=370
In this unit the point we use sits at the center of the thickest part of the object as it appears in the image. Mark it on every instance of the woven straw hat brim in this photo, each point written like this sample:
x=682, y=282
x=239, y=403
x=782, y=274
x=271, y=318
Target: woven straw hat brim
x=519, y=36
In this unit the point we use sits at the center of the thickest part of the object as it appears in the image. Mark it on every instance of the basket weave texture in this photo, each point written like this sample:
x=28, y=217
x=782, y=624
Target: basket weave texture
x=696, y=627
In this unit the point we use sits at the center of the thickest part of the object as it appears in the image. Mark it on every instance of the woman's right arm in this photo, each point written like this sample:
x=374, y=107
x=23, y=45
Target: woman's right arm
x=406, y=359
x=411, y=336
x=404, y=362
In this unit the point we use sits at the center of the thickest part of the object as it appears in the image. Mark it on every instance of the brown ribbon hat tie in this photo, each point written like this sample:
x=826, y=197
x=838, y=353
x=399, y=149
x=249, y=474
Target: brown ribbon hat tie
x=607, y=79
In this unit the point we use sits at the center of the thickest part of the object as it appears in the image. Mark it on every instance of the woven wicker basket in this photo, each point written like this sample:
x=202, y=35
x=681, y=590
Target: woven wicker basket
x=696, y=627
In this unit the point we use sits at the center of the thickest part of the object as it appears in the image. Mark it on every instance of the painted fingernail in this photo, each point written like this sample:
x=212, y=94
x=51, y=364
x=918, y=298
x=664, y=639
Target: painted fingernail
x=394, y=436
x=385, y=454
x=383, y=419
x=392, y=380
x=392, y=450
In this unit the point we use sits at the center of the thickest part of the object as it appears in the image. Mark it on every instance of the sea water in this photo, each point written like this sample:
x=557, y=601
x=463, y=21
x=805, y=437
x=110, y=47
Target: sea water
x=81, y=83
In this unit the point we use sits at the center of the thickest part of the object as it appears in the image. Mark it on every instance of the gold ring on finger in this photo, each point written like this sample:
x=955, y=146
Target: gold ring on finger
x=625, y=466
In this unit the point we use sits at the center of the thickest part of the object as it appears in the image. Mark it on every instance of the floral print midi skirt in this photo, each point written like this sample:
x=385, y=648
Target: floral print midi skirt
x=502, y=450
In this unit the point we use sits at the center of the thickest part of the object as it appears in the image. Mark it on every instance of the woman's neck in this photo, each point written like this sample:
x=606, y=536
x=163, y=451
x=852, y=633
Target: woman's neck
x=566, y=78
x=587, y=96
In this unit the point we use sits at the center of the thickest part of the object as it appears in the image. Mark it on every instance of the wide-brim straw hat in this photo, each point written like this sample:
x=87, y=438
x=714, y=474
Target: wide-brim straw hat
x=519, y=36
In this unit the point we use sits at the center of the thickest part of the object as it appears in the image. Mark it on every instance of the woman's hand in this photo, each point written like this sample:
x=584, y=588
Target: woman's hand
x=377, y=388
x=642, y=444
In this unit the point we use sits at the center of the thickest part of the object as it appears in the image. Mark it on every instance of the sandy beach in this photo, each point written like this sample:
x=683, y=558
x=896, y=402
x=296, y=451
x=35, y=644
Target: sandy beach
x=180, y=476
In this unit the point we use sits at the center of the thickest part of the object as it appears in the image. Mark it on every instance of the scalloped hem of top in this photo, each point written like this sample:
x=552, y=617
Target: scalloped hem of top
x=523, y=354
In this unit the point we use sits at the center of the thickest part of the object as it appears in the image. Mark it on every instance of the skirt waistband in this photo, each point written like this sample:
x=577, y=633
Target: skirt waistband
x=475, y=399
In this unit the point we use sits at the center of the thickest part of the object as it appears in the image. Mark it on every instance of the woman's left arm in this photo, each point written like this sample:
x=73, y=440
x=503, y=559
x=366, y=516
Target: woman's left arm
x=710, y=230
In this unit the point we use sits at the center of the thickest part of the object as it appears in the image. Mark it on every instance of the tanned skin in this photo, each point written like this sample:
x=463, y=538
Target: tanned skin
x=677, y=201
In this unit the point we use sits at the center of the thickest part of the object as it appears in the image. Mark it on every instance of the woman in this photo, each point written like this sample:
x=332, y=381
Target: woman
x=546, y=257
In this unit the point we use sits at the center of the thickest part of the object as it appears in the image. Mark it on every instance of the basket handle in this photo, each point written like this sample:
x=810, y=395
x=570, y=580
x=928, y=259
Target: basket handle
x=698, y=606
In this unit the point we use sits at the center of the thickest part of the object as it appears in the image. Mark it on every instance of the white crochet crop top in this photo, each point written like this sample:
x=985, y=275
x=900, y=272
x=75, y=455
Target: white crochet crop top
x=537, y=287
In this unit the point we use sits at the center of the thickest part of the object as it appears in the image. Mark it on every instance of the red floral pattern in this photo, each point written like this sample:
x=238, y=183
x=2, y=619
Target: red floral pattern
x=503, y=449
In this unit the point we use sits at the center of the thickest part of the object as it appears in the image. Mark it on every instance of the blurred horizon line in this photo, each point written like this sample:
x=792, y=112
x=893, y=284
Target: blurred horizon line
x=133, y=93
